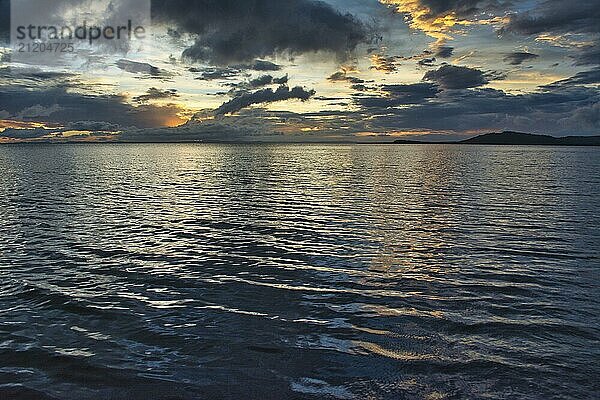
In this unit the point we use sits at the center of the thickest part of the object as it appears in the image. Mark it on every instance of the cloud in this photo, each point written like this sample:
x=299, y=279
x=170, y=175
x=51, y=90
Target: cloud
x=281, y=81
x=87, y=130
x=342, y=76
x=265, y=80
x=588, y=115
x=565, y=107
x=4, y=21
x=24, y=134
x=568, y=109
x=456, y=77
x=427, y=62
x=264, y=96
x=518, y=57
x=557, y=17
x=38, y=111
x=582, y=78
x=155, y=94
x=229, y=31
x=383, y=63
x=62, y=105
x=216, y=73
x=262, y=65
x=565, y=24
x=34, y=75
x=438, y=18
x=462, y=8
x=444, y=51
x=246, y=125
x=94, y=126
x=135, y=67
x=400, y=95
x=588, y=55
x=234, y=39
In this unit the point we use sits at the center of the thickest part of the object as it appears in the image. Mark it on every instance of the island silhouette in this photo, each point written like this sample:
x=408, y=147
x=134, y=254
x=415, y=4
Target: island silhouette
x=518, y=138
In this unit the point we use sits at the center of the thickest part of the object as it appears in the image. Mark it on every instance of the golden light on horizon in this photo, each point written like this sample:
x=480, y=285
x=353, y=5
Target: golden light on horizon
x=16, y=124
x=174, y=121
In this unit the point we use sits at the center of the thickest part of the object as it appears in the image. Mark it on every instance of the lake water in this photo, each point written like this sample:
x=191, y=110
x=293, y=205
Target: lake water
x=299, y=271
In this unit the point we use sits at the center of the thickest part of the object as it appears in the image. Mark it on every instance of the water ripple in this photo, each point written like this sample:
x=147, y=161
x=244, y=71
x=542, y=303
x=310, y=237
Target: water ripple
x=284, y=271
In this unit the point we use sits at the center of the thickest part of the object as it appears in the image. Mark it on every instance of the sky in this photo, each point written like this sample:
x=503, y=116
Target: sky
x=313, y=71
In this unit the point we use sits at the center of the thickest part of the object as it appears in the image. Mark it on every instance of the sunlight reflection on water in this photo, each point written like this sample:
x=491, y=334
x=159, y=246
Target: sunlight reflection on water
x=274, y=271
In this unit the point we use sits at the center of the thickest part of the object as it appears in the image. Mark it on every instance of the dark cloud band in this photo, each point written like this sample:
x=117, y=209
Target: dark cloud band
x=264, y=96
x=230, y=31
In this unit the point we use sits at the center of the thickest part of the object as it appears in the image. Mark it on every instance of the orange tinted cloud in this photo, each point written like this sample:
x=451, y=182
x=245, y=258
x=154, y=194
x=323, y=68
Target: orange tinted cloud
x=382, y=63
x=8, y=123
x=169, y=115
x=421, y=17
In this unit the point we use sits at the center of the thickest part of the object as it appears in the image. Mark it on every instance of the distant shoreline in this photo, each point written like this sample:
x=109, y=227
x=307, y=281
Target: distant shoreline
x=490, y=139
x=517, y=139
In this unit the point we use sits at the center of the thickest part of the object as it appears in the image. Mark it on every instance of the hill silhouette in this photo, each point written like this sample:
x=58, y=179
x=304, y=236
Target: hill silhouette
x=518, y=138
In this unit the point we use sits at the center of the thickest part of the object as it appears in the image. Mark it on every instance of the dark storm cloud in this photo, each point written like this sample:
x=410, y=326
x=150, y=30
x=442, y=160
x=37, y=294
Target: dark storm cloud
x=582, y=78
x=398, y=95
x=568, y=109
x=94, y=126
x=461, y=8
x=565, y=107
x=281, y=81
x=63, y=106
x=561, y=20
x=24, y=134
x=427, y=62
x=135, y=67
x=341, y=76
x=34, y=75
x=444, y=51
x=4, y=21
x=588, y=55
x=264, y=96
x=242, y=30
x=216, y=73
x=239, y=127
x=265, y=80
x=519, y=57
x=456, y=77
x=35, y=133
x=552, y=16
x=156, y=94
x=430, y=10
x=262, y=65
x=565, y=112
x=234, y=71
